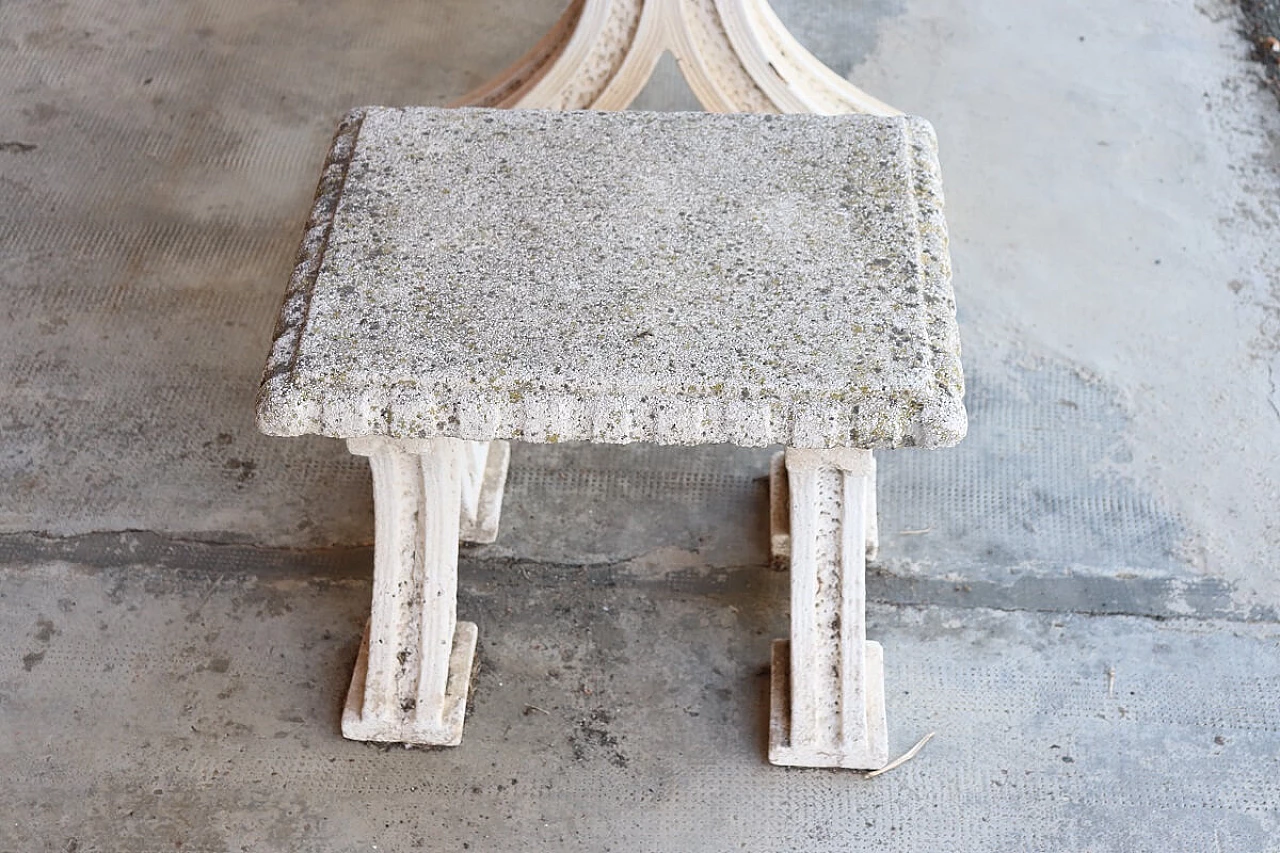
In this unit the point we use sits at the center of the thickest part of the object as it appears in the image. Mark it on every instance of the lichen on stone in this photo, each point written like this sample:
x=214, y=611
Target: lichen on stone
x=680, y=278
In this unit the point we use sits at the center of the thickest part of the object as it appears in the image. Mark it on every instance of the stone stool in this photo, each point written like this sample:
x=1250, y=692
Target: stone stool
x=473, y=276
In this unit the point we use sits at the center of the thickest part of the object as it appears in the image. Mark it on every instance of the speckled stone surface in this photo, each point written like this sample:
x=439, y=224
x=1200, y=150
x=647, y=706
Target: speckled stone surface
x=680, y=278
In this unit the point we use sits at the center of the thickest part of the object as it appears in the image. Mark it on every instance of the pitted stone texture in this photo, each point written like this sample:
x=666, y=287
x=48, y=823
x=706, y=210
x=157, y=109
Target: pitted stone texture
x=682, y=278
x=827, y=693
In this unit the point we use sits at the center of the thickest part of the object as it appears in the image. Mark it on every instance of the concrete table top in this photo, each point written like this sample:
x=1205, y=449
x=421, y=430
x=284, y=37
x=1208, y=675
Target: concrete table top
x=680, y=278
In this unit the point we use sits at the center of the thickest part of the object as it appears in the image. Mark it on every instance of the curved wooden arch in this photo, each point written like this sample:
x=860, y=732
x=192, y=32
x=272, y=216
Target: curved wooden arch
x=735, y=54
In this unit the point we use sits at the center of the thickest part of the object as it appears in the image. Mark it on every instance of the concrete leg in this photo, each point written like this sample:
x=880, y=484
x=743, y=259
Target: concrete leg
x=873, y=523
x=828, y=680
x=484, y=481
x=414, y=667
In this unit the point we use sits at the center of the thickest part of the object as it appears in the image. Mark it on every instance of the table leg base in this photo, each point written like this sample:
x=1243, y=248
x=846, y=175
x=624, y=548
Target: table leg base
x=413, y=725
x=869, y=754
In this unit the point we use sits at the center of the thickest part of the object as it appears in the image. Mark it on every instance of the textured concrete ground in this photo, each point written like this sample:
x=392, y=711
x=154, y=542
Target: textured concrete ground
x=1081, y=599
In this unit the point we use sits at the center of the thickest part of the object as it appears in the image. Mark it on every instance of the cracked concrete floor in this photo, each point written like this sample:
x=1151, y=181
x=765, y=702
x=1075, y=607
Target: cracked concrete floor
x=1081, y=599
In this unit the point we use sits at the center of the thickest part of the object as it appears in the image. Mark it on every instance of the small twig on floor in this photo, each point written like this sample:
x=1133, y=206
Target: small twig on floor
x=1111, y=681
x=528, y=708
x=904, y=758
x=922, y=531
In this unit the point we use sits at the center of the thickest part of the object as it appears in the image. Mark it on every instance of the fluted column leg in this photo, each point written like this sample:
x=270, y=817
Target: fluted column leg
x=828, y=680
x=414, y=667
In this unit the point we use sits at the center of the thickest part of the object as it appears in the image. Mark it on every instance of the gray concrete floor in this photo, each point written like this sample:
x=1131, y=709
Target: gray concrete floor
x=1081, y=599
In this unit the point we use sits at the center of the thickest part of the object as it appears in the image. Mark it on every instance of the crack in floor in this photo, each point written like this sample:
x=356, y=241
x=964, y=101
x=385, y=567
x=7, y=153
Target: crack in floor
x=181, y=563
